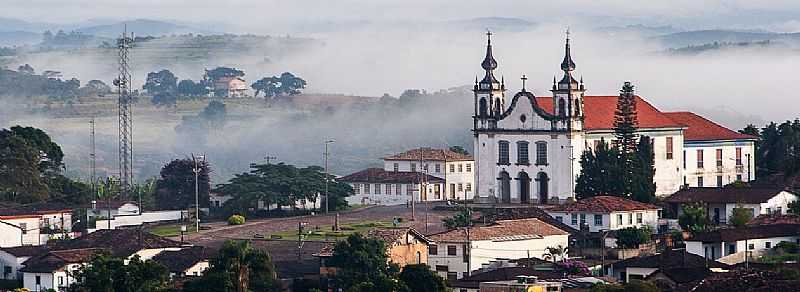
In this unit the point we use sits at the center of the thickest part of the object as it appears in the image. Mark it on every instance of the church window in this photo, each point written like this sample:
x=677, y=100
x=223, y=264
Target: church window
x=669, y=148
x=699, y=158
x=522, y=153
x=577, y=107
x=482, y=107
x=562, y=111
x=541, y=153
x=503, y=152
x=719, y=157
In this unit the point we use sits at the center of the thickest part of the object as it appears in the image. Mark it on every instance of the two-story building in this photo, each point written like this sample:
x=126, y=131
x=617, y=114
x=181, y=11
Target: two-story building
x=458, y=252
x=604, y=213
x=455, y=168
x=731, y=245
x=381, y=187
x=720, y=202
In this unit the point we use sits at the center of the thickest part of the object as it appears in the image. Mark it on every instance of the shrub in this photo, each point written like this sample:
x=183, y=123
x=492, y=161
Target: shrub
x=788, y=247
x=632, y=237
x=573, y=267
x=236, y=220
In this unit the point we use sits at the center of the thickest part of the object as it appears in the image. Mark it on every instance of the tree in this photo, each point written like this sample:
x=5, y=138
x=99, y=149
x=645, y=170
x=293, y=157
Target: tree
x=459, y=150
x=20, y=177
x=175, y=188
x=52, y=158
x=601, y=172
x=632, y=237
x=214, y=114
x=26, y=69
x=238, y=267
x=268, y=85
x=161, y=82
x=643, y=186
x=420, y=277
x=555, y=253
x=461, y=219
x=105, y=273
x=220, y=72
x=694, y=217
x=189, y=88
x=741, y=215
x=626, y=121
x=167, y=99
x=794, y=208
x=363, y=266
x=277, y=86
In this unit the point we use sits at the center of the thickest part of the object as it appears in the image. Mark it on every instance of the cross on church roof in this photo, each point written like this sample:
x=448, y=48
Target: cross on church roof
x=524, y=78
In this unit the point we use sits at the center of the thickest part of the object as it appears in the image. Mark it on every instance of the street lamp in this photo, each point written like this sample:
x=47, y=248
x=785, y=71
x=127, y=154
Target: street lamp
x=196, y=171
x=326, y=173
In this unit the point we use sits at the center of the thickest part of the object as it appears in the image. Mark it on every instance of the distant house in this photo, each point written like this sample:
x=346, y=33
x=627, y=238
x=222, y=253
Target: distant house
x=729, y=244
x=55, y=269
x=456, y=253
x=473, y=282
x=102, y=208
x=639, y=268
x=602, y=213
x=455, y=168
x=186, y=262
x=123, y=243
x=230, y=87
x=19, y=230
x=404, y=246
x=381, y=187
x=720, y=202
x=34, y=224
x=11, y=259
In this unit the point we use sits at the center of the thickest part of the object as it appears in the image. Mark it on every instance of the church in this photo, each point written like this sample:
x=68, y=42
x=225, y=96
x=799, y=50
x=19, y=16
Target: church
x=527, y=148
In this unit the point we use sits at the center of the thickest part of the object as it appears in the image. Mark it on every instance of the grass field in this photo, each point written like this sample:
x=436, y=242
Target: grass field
x=171, y=230
x=324, y=232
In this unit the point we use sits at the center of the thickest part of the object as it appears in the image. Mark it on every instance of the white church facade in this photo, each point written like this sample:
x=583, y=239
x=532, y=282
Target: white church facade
x=527, y=148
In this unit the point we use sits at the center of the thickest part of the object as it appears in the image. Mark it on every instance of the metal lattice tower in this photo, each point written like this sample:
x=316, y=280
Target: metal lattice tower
x=93, y=152
x=123, y=83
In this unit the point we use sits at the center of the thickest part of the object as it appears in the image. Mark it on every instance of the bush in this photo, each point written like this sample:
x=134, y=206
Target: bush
x=788, y=247
x=632, y=237
x=236, y=220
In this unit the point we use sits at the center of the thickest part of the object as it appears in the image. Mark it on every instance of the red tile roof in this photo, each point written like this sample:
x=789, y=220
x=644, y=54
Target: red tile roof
x=379, y=175
x=430, y=154
x=702, y=129
x=771, y=219
x=604, y=204
x=599, y=112
x=501, y=230
x=724, y=195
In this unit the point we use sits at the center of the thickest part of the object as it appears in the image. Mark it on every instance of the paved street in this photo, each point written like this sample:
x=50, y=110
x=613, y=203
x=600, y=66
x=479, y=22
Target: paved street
x=221, y=231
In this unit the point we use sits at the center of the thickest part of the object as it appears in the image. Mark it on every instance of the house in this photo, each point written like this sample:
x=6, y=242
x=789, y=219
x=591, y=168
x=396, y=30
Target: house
x=123, y=243
x=527, y=147
x=55, y=269
x=473, y=282
x=19, y=230
x=522, y=283
x=186, y=262
x=733, y=152
x=455, y=168
x=673, y=279
x=102, y=208
x=230, y=87
x=602, y=213
x=34, y=224
x=729, y=244
x=11, y=259
x=378, y=186
x=720, y=202
x=641, y=267
x=404, y=246
x=458, y=252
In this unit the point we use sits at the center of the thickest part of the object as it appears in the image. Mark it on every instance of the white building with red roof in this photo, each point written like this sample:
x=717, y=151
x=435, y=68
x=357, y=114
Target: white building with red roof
x=527, y=149
x=603, y=213
x=455, y=168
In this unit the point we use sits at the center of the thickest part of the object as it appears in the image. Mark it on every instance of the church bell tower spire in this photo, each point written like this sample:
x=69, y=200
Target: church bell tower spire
x=568, y=93
x=489, y=92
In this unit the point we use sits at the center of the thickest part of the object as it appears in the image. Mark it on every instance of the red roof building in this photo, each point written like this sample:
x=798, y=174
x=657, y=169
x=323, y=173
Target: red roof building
x=701, y=129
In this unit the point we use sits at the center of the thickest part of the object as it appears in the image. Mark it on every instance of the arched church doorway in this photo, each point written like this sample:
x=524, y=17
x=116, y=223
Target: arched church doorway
x=505, y=187
x=543, y=181
x=524, y=187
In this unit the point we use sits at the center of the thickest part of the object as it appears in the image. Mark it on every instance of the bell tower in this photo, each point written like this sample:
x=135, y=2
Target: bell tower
x=568, y=95
x=490, y=98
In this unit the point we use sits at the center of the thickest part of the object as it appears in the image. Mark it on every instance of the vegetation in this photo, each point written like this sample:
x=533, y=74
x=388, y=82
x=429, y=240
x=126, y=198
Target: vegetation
x=238, y=267
x=694, y=217
x=632, y=237
x=625, y=168
x=794, y=207
x=459, y=149
x=778, y=149
x=419, y=278
x=107, y=273
x=740, y=216
x=175, y=188
x=279, y=86
x=282, y=185
x=27, y=84
x=236, y=220
x=461, y=219
x=556, y=253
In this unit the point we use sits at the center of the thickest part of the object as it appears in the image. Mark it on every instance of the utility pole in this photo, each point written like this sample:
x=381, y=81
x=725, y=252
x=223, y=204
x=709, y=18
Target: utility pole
x=93, y=154
x=196, y=170
x=327, y=174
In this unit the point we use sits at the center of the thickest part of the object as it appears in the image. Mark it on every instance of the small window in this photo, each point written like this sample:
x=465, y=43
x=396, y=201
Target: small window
x=460, y=168
x=598, y=220
x=433, y=250
x=630, y=219
x=397, y=189
x=413, y=167
x=574, y=219
x=719, y=181
x=409, y=190
x=388, y=189
x=451, y=250
x=460, y=187
x=38, y=280
x=366, y=189
x=738, y=177
x=738, y=156
x=719, y=157
x=356, y=190
x=560, y=219
x=396, y=167
x=60, y=281
x=699, y=158
x=503, y=152
x=441, y=268
x=751, y=246
x=468, y=188
x=639, y=218
x=768, y=244
x=669, y=148
x=377, y=189
x=583, y=219
x=469, y=167
x=438, y=168
x=452, y=168
x=699, y=181
x=619, y=219
x=541, y=153
x=522, y=153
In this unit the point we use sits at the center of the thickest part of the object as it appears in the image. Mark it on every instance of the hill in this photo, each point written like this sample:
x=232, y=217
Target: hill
x=140, y=27
x=19, y=38
x=700, y=37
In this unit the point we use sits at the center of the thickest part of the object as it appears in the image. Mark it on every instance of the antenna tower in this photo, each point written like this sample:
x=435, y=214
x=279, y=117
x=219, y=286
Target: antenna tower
x=93, y=154
x=123, y=83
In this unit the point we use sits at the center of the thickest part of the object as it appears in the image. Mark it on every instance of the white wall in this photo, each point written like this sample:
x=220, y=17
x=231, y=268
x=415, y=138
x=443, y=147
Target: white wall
x=45, y=279
x=710, y=171
x=361, y=196
x=197, y=269
x=609, y=220
x=146, y=217
x=10, y=236
x=722, y=248
x=9, y=260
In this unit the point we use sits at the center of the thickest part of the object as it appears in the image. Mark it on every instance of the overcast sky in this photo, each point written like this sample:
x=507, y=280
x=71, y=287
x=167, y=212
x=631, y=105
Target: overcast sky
x=264, y=16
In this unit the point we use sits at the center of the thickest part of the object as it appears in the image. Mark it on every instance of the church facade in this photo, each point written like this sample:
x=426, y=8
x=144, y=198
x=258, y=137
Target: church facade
x=527, y=148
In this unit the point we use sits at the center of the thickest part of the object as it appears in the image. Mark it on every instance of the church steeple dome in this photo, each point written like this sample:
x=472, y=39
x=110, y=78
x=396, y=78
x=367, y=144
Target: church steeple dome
x=567, y=65
x=489, y=63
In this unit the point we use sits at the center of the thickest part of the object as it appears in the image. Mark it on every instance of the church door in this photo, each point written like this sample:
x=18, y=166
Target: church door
x=505, y=187
x=543, y=189
x=524, y=187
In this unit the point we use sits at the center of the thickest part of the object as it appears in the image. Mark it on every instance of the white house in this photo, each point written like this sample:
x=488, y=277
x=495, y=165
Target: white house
x=102, y=208
x=639, y=268
x=455, y=168
x=733, y=242
x=18, y=230
x=606, y=213
x=720, y=202
x=378, y=186
x=712, y=154
x=185, y=262
x=11, y=259
x=456, y=252
x=527, y=148
x=55, y=269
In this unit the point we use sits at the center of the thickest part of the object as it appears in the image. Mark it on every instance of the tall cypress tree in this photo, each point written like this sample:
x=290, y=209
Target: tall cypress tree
x=625, y=126
x=601, y=172
x=643, y=188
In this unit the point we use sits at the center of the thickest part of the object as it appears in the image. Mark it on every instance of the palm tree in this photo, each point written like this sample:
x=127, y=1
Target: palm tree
x=554, y=253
